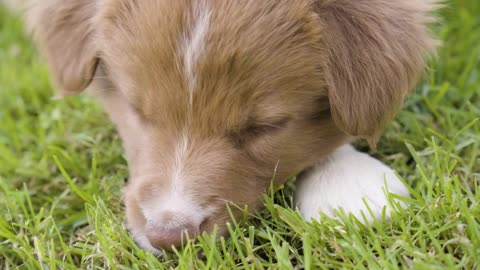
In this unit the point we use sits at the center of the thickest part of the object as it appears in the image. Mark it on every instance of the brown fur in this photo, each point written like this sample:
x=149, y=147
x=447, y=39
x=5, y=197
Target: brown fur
x=377, y=52
x=64, y=34
x=279, y=85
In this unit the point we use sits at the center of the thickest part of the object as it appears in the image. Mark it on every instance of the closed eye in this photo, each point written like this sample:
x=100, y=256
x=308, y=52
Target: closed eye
x=259, y=128
x=102, y=77
x=255, y=129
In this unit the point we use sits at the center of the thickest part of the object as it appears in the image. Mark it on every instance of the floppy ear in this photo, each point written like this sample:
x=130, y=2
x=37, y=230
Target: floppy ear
x=63, y=31
x=375, y=51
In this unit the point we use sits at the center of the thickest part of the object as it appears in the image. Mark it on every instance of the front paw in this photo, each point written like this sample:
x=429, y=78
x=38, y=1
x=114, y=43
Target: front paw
x=344, y=180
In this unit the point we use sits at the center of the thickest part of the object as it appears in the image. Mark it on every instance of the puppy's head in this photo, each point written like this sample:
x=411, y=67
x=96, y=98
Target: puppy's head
x=213, y=99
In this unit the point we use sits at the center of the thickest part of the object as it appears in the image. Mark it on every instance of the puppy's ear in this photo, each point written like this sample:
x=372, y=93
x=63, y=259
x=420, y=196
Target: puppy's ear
x=63, y=30
x=375, y=51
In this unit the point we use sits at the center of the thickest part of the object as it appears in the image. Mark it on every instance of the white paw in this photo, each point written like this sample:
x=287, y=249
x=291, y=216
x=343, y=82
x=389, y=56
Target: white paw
x=344, y=180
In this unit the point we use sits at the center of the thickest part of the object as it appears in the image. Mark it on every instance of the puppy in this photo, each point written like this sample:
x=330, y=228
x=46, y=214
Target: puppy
x=214, y=98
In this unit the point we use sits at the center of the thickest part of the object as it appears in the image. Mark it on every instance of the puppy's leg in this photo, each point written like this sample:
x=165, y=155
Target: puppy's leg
x=343, y=180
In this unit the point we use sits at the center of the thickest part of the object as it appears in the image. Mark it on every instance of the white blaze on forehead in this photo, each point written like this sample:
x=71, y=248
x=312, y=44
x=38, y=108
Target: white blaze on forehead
x=179, y=200
x=178, y=169
x=194, y=44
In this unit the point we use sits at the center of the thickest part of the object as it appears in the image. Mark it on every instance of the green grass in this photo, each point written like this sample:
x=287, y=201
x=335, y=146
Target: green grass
x=62, y=171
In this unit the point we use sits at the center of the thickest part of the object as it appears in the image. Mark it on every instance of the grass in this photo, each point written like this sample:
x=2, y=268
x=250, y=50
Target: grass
x=62, y=170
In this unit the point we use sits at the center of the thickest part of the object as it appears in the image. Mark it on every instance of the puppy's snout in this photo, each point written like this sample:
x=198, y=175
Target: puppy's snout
x=171, y=232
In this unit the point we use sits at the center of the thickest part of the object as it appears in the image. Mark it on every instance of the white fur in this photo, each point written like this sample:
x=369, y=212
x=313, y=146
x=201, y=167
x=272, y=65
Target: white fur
x=182, y=206
x=343, y=180
x=176, y=200
x=194, y=46
x=178, y=167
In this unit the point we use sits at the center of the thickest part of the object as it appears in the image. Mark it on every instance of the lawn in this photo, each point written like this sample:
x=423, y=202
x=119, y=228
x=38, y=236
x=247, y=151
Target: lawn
x=62, y=172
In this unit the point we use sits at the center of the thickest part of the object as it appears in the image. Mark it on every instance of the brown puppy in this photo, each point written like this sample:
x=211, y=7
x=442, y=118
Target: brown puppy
x=214, y=97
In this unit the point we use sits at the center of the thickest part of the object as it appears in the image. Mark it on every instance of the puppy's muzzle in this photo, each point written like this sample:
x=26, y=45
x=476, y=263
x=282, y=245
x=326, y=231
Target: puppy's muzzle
x=173, y=232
